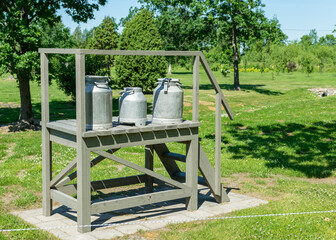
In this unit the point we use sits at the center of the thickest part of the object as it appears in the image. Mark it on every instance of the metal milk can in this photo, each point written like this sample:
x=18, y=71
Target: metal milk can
x=133, y=106
x=98, y=98
x=168, y=101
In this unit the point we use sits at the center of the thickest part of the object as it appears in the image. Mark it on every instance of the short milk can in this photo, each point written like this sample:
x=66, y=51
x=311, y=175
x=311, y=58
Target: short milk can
x=98, y=97
x=168, y=101
x=133, y=106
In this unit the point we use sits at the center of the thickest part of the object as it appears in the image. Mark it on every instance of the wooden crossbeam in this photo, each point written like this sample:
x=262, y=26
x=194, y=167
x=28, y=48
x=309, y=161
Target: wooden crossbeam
x=141, y=169
x=64, y=199
x=106, y=183
x=150, y=198
x=59, y=182
x=215, y=85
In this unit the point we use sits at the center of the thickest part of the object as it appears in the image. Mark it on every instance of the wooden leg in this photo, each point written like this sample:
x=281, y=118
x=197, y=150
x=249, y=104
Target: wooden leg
x=83, y=189
x=192, y=174
x=149, y=165
x=46, y=173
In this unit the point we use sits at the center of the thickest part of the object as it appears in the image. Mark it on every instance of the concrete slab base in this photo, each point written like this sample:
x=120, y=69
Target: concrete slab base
x=150, y=217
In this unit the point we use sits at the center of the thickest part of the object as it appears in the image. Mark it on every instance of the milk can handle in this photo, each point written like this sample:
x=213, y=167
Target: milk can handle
x=165, y=87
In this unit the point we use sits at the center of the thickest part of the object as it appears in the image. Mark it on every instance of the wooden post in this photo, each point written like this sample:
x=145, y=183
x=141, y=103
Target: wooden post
x=149, y=165
x=46, y=143
x=192, y=173
x=195, y=111
x=83, y=154
x=218, y=144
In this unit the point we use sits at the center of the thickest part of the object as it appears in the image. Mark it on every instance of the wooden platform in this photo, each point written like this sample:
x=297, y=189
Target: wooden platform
x=64, y=132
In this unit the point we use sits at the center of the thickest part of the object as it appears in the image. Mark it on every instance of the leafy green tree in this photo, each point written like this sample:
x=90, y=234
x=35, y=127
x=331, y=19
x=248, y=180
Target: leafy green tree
x=328, y=40
x=20, y=37
x=241, y=20
x=140, y=33
x=105, y=37
x=310, y=39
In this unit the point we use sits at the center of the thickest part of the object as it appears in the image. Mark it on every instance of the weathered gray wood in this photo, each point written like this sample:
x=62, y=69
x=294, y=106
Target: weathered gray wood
x=195, y=107
x=149, y=164
x=63, y=138
x=170, y=165
x=175, y=156
x=63, y=126
x=192, y=174
x=46, y=143
x=218, y=140
x=94, y=162
x=216, y=86
x=83, y=154
x=65, y=171
x=182, y=176
x=118, y=52
x=150, y=198
x=106, y=183
x=208, y=173
x=123, y=140
x=141, y=169
x=64, y=199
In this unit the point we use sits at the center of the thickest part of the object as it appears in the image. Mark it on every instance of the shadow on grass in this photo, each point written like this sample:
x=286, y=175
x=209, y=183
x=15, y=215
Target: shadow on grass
x=244, y=87
x=310, y=150
x=58, y=110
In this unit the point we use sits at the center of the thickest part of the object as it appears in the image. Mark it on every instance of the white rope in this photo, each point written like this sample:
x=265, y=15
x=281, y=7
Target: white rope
x=167, y=221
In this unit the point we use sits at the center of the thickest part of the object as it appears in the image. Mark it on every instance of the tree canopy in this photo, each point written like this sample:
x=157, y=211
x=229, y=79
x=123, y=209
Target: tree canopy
x=140, y=33
x=21, y=34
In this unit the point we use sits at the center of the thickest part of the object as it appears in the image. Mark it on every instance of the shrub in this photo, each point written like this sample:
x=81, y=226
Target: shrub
x=140, y=33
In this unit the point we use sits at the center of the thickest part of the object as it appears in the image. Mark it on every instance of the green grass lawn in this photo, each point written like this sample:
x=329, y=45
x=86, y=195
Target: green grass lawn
x=280, y=147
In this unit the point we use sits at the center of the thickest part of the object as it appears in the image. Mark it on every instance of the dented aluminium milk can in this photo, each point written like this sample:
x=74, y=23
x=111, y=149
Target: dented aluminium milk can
x=168, y=101
x=98, y=98
x=133, y=106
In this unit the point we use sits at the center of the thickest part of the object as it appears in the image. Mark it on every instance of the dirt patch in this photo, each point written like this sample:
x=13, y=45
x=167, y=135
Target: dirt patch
x=9, y=105
x=21, y=126
x=323, y=92
x=206, y=103
x=212, y=109
x=187, y=104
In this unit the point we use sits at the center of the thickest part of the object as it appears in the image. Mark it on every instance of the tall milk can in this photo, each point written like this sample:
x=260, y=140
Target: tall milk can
x=168, y=101
x=98, y=97
x=133, y=106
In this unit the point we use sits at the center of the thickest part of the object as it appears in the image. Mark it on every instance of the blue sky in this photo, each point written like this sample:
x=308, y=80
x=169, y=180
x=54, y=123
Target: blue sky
x=297, y=17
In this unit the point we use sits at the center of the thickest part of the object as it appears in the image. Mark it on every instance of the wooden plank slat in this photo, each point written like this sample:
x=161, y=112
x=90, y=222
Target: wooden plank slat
x=94, y=162
x=65, y=171
x=170, y=165
x=106, y=183
x=218, y=141
x=117, y=52
x=150, y=198
x=64, y=199
x=195, y=108
x=175, y=156
x=141, y=169
x=216, y=86
x=46, y=143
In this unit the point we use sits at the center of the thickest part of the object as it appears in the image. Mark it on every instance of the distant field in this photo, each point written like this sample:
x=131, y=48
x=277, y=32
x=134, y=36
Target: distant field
x=280, y=147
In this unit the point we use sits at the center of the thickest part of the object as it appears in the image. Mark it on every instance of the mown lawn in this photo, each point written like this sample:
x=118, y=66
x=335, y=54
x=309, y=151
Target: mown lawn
x=280, y=147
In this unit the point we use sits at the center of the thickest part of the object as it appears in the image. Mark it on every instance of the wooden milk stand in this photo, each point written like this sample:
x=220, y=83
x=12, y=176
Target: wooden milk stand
x=72, y=133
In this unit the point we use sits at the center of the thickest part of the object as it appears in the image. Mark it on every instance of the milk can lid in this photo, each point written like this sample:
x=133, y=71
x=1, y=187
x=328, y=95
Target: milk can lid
x=168, y=79
x=93, y=79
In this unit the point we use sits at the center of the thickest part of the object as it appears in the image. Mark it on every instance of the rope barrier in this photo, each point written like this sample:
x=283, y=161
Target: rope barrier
x=168, y=221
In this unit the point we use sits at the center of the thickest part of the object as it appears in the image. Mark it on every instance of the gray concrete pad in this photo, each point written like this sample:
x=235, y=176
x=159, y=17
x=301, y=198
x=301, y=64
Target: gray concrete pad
x=145, y=218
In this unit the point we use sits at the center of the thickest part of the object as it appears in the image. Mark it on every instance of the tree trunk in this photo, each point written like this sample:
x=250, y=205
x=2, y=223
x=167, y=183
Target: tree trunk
x=169, y=69
x=26, y=111
x=235, y=59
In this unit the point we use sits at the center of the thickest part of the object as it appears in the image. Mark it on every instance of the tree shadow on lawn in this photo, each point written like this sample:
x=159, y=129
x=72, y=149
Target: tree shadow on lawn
x=58, y=110
x=310, y=150
x=244, y=87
